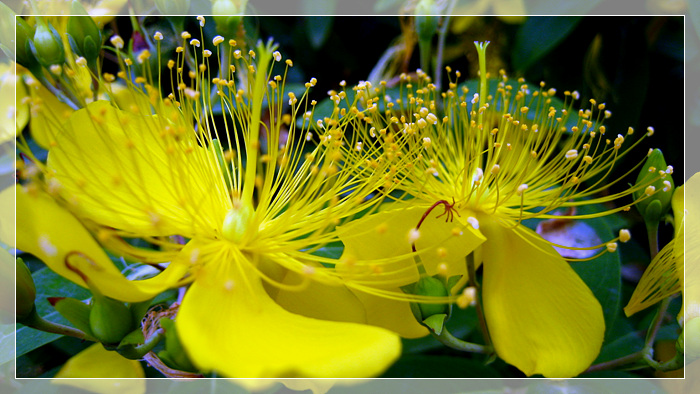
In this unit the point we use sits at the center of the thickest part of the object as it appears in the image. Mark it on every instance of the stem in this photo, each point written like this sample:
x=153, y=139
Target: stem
x=139, y=351
x=453, y=342
x=39, y=323
x=442, y=34
x=629, y=359
x=425, y=51
x=471, y=271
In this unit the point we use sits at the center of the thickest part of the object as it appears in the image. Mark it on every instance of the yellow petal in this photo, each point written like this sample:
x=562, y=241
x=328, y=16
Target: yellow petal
x=14, y=114
x=377, y=247
x=47, y=112
x=229, y=324
x=55, y=236
x=320, y=301
x=508, y=10
x=110, y=367
x=542, y=317
x=127, y=171
x=391, y=314
x=691, y=292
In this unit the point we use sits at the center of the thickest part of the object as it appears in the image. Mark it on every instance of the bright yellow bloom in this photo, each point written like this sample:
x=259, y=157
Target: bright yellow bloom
x=669, y=271
x=238, y=207
x=96, y=362
x=14, y=112
x=494, y=159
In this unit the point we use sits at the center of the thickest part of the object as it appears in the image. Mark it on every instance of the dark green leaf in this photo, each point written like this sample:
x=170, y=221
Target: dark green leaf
x=538, y=36
x=318, y=29
x=415, y=366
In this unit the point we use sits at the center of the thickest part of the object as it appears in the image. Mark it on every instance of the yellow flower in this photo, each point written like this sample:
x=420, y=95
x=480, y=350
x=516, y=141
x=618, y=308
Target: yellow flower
x=494, y=160
x=96, y=362
x=666, y=273
x=14, y=111
x=238, y=207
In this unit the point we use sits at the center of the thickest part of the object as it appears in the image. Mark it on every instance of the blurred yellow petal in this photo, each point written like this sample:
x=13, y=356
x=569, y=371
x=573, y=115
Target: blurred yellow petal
x=47, y=112
x=103, y=11
x=373, y=243
x=509, y=10
x=111, y=370
x=691, y=292
x=122, y=174
x=55, y=236
x=14, y=113
x=542, y=317
x=229, y=324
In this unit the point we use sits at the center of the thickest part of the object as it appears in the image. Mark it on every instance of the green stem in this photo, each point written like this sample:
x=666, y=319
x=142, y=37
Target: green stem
x=453, y=342
x=442, y=35
x=39, y=323
x=629, y=359
x=425, y=51
x=471, y=271
x=139, y=351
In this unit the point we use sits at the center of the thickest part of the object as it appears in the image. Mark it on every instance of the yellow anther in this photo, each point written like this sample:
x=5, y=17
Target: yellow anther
x=612, y=247
x=217, y=40
x=521, y=189
x=158, y=36
x=649, y=190
x=650, y=131
x=185, y=35
x=117, y=41
x=625, y=235
x=571, y=154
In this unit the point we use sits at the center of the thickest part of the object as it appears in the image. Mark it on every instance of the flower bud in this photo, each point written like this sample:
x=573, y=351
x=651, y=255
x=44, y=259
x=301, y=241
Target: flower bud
x=23, y=53
x=654, y=207
x=110, y=320
x=227, y=15
x=174, y=354
x=427, y=19
x=173, y=7
x=47, y=45
x=83, y=34
x=26, y=291
x=431, y=315
x=75, y=311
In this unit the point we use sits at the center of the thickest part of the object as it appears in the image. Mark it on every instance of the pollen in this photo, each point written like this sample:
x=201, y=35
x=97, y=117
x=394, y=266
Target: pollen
x=228, y=285
x=625, y=235
x=456, y=231
x=521, y=189
x=413, y=235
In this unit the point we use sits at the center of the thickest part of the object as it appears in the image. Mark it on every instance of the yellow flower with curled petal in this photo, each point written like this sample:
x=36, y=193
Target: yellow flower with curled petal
x=492, y=160
x=668, y=271
x=238, y=206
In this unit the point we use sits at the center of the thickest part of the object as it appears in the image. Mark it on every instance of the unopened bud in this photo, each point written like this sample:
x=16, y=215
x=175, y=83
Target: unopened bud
x=26, y=291
x=110, y=320
x=47, y=45
x=655, y=206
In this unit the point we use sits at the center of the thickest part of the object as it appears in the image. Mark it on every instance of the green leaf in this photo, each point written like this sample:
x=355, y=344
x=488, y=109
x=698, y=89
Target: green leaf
x=318, y=30
x=603, y=274
x=415, y=366
x=538, y=36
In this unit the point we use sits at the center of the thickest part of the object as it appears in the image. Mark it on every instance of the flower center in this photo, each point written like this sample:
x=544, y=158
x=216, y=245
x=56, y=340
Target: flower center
x=238, y=223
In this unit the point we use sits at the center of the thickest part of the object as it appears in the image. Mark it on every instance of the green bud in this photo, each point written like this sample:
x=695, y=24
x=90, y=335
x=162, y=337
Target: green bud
x=26, y=291
x=24, y=54
x=227, y=15
x=691, y=332
x=47, y=45
x=83, y=34
x=174, y=354
x=173, y=7
x=75, y=311
x=427, y=19
x=432, y=287
x=110, y=320
x=653, y=208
